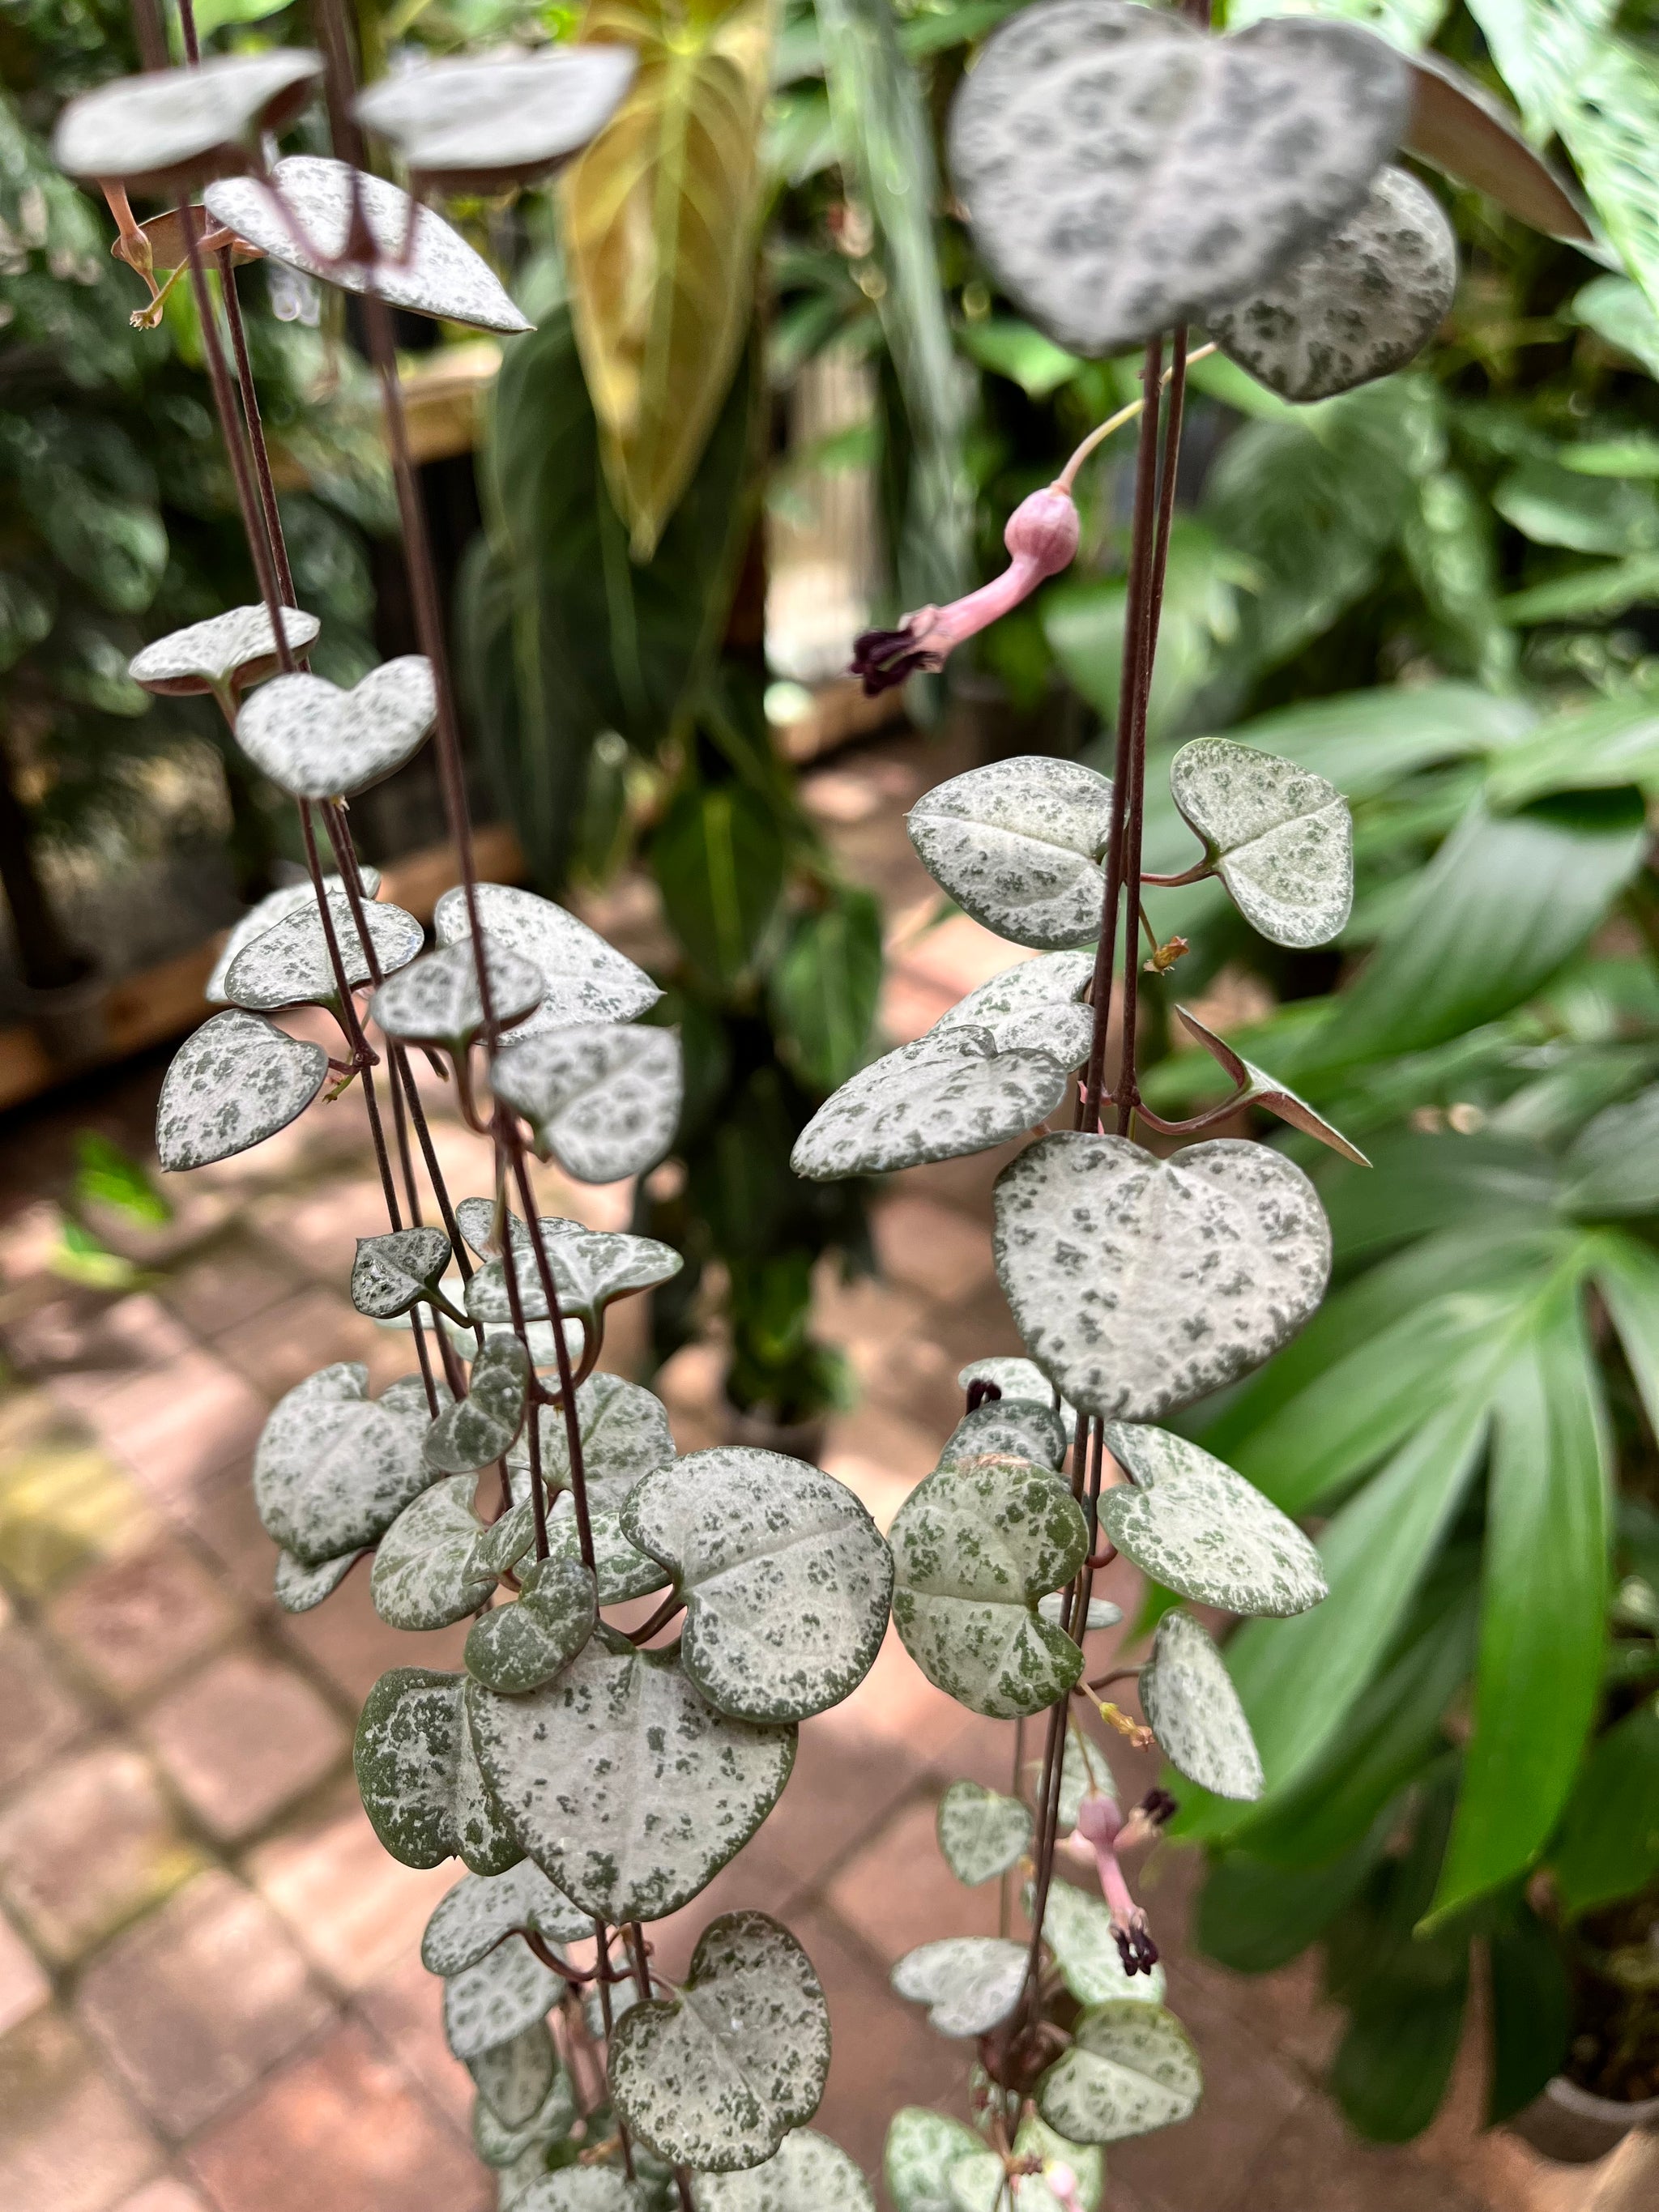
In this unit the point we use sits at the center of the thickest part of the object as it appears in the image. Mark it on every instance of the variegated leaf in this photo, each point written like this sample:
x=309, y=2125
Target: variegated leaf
x=497, y=1998
x=1281, y=837
x=515, y=2078
x=583, y=978
x=289, y=963
x=394, y=1270
x=172, y=126
x=479, y=1428
x=499, y=2144
x=1141, y=1284
x=981, y=1833
x=1007, y=1428
x=1017, y=845
x=808, y=2174
x=275, y=907
x=581, y=2189
x=1083, y=1772
x=518, y=1647
x=427, y=1572
x=786, y=1578
x=1198, y=1528
x=1358, y=304
x=602, y=1100
x=623, y=1571
x=1131, y=2068
x=419, y=1778
x=470, y=1920
x=1017, y=1378
x=1122, y=172
x=480, y=124
x=623, y=1783
x=624, y=1433
x=234, y=1083
x=590, y=1268
x=316, y=741
x=421, y=263
x=1041, y=988
x=970, y=1983
x=333, y=1469
x=298, y=1588
x=1078, y=1928
x=1103, y=1614
x=436, y=1001
x=1261, y=1089
x=948, y=1093
x=225, y=652
x=716, y=2077
x=1193, y=1709
x=972, y=1552
x=922, y=2147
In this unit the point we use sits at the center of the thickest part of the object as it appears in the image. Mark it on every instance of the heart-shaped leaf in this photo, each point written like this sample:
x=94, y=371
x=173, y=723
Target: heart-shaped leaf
x=922, y=2147
x=435, y=1000
x=1356, y=305
x=289, y=963
x=1007, y=1429
x=518, y=1647
x=1193, y=1709
x=181, y=125
x=421, y=264
x=1040, y=987
x=333, y=1469
x=478, y=1429
x=1017, y=845
x=499, y=2144
x=1141, y=1283
x=603, y=1101
x=275, y=907
x=1077, y=1930
x=515, y=2079
x=716, y=2078
x=1131, y=2068
x=318, y=742
x=482, y=124
x=981, y=1833
x=583, y=978
x=426, y=1571
x=973, y=1551
x=419, y=1778
x=625, y=1434
x=808, y=2174
x=497, y=1998
x=1015, y=1379
x=1261, y=1089
x=948, y=1093
x=298, y=1588
x=627, y=1787
x=1123, y=173
x=1198, y=1528
x=982, y=2183
x=470, y=1920
x=234, y=1083
x=1281, y=838
x=622, y=1570
x=489, y=1228
x=223, y=653
x=589, y=1267
x=786, y=1578
x=393, y=1272
x=970, y=1984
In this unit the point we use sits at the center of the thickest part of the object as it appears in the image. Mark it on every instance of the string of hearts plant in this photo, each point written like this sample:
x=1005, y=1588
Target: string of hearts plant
x=591, y=1778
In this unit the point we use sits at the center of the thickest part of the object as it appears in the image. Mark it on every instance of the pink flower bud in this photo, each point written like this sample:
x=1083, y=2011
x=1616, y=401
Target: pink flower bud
x=1044, y=529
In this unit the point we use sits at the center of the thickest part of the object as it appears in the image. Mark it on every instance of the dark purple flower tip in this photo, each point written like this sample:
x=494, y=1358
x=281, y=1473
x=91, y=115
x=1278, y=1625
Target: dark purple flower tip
x=1156, y=1807
x=1136, y=1949
x=884, y=659
x=982, y=1391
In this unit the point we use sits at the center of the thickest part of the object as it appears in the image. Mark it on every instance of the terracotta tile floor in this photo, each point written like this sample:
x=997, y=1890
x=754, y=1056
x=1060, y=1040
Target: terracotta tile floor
x=210, y=1994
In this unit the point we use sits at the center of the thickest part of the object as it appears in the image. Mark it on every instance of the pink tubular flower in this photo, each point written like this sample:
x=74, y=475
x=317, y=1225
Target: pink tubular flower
x=1062, y=2185
x=1042, y=537
x=1100, y=1825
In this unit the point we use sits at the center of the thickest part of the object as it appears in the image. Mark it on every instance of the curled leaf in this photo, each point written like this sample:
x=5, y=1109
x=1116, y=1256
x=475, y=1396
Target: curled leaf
x=395, y=1271
x=1261, y=1089
x=479, y=1428
x=227, y=651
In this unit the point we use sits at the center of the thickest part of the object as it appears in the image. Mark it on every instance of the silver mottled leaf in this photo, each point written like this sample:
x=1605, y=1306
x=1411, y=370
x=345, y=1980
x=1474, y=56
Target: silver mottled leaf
x=472, y=1918
x=518, y=1647
x=582, y=2189
x=974, y=1549
x=981, y=1833
x=419, y=1778
x=970, y=1983
x=622, y=1782
x=1017, y=845
x=172, y=125
x=317, y=741
x=439, y=275
x=589, y=1267
x=427, y=1572
x=622, y=1570
x=1007, y=1428
x=1103, y=1614
x=602, y=1100
x=298, y=1588
x=808, y=2174
x=503, y=1993
x=1193, y=1709
x=289, y=963
x=1017, y=1378
x=786, y=1578
x=1078, y=1928
x=478, y=1428
x=479, y=125
x=1281, y=838
x=229, y=650
x=393, y=1271
x=1358, y=304
x=275, y=907
x=584, y=979
x=1131, y=2068
x=1141, y=1284
x=1201, y=1529
x=1046, y=989
x=624, y=1433
x=948, y=1093
x=334, y=1468
x=435, y=1000
x=235, y=1083
x=1122, y=172
x=922, y=2147
x=515, y=2077
x=982, y=2183
x=716, y=2078
x=499, y=2144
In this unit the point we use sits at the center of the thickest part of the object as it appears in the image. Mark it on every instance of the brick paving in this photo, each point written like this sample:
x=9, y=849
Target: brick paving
x=209, y=1995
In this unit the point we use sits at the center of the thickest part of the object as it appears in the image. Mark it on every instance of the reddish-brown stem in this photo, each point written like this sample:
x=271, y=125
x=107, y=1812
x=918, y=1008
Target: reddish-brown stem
x=187, y=31
x=1195, y=874
x=255, y=425
x=572, y=1432
x=1207, y=1120
x=602, y=1961
x=659, y=1620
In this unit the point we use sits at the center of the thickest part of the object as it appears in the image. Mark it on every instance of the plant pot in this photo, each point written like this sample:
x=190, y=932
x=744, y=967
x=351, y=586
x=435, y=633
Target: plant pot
x=1575, y=2127
x=69, y=1018
x=795, y=1439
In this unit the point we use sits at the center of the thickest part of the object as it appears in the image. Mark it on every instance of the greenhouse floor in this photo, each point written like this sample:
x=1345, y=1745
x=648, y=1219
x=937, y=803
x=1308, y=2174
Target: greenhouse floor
x=209, y=1991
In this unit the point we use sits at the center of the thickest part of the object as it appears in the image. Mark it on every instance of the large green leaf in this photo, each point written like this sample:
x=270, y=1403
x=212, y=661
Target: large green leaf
x=824, y=985
x=1532, y=2012
x=1627, y=1277
x=1608, y=1847
x=1538, y=1680
x=720, y=862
